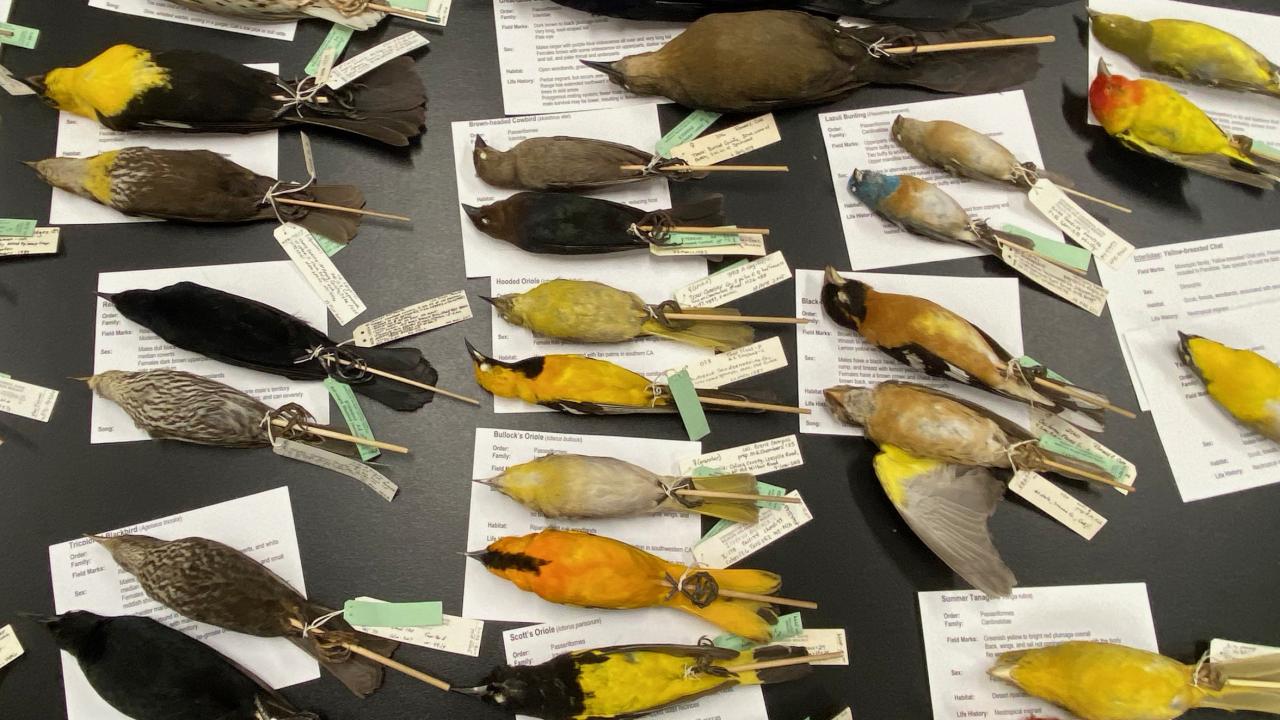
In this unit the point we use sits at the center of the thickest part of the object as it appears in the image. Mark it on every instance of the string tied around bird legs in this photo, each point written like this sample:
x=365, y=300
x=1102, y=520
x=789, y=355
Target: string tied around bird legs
x=296, y=421
x=659, y=312
x=699, y=587
x=657, y=164
x=1009, y=451
x=659, y=226
x=703, y=666
x=673, y=493
x=342, y=365
x=276, y=189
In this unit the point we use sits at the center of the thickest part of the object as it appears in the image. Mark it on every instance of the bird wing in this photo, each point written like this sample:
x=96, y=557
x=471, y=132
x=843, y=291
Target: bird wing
x=1216, y=165
x=693, y=651
x=582, y=407
x=1015, y=431
x=930, y=363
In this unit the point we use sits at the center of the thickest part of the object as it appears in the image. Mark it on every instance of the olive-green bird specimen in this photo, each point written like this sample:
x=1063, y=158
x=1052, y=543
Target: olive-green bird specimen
x=212, y=583
x=1190, y=51
x=568, y=164
x=592, y=312
x=772, y=59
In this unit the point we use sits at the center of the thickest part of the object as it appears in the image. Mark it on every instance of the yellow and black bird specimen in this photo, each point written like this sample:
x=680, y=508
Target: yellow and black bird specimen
x=565, y=485
x=773, y=59
x=630, y=681
x=197, y=186
x=1242, y=382
x=568, y=164
x=129, y=88
x=965, y=152
x=592, y=312
x=212, y=583
x=932, y=424
x=930, y=338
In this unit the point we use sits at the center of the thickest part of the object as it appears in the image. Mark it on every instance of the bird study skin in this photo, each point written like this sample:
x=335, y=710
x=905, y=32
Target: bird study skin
x=354, y=14
x=965, y=152
x=577, y=568
x=1243, y=383
x=566, y=164
x=197, y=186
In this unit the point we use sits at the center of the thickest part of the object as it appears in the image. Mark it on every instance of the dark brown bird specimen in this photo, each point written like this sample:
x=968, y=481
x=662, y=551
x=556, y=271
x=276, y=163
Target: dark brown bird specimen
x=212, y=583
x=568, y=164
x=773, y=59
x=197, y=186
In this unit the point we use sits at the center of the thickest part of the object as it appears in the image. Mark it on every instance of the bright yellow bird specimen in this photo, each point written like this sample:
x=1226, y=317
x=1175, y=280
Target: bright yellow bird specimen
x=1101, y=681
x=1242, y=382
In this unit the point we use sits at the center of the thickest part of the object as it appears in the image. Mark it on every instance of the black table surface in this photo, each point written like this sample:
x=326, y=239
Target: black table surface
x=1212, y=568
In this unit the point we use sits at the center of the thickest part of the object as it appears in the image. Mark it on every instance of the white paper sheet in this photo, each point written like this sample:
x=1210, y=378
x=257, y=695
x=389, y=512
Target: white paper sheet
x=828, y=354
x=86, y=578
x=1209, y=452
x=860, y=139
x=1187, y=280
x=172, y=12
x=539, y=643
x=647, y=356
x=493, y=515
x=964, y=631
x=541, y=43
x=1237, y=112
x=122, y=344
x=81, y=137
x=635, y=126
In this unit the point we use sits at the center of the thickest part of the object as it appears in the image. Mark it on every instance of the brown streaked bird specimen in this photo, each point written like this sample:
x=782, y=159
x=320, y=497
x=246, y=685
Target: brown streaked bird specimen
x=567, y=164
x=197, y=186
x=355, y=14
x=773, y=59
x=212, y=583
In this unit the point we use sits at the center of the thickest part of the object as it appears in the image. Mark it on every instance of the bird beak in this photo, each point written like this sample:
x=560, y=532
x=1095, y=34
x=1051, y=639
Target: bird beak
x=1093, y=14
x=475, y=554
x=33, y=164
x=833, y=278
x=607, y=68
x=1103, y=69
x=107, y=296
x=481, y=144
x=489, y=300
x=491, y=482
x=474, y=213
x=42, y=619
x=480, y=691
x=36, y=82
x=476, y=356
x=82, y=379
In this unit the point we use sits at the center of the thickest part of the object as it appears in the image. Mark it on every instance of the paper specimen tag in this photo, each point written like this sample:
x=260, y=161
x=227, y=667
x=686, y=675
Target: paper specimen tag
x=17, y=227
x=688, y=129
x=1076, y=257
x=456, y=635
x=373, y=479
x=320, y=272
x=741, y=540
x=12, y=85
x=691, y=412
x=823, y=641
x=1045, y=423
x=1058, y=445
x=730, y=142
x=788, y=626
x=373, y=57
x=728, y=285
x=345, y=398
x=43, y=242
x=1067, y=285
x=437, y=11
x=845, y=714
x=419, y=318
x=750, y=245
x=1219, y=650
x=18, y=35
x=685, y=239
x=738, y=364
x=766, y=456
x=388, y=614
x=1057, y=503
x=1079, y=225
x=321, y=64
x=10, y=648
x=26, y=400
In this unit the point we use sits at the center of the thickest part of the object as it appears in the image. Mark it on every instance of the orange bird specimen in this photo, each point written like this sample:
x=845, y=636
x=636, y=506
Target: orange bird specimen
x=577, y=568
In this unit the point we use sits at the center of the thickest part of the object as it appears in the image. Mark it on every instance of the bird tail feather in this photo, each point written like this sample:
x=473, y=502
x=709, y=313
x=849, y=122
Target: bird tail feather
x=739, y=511
x=968, y=72
x=706, y=212
x=272, y=706
x=720, y=336
x=1034, y=457
x=746, y=618
x=1263, y=670
x=1266, y=164
x=389, y=104
x=768, y=676
x=405, y=362
x=361, y=675
x=337, y=226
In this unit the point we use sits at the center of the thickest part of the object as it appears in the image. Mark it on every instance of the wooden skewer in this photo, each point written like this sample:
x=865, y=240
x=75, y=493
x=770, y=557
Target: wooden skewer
x=322, y=432
x=710, y=168
x=804, y=660
x=6, y=33
x=758, y=319
x=703, y=230
x=340, y=208
x=971, y=45
x=317, y=99
x=1098, y=200
x=1079, y=472
x=750, y=405
x=414, y=383
x=739, y=496
x=403, y=12
x=382, y=659
x=1082, y=395
x=1260, y=684
x=803, y=604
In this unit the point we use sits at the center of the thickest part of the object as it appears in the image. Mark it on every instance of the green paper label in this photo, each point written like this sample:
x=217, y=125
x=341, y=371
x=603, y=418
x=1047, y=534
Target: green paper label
x=1114, y=468
x=430, y=7
x=1070, y=255
x=1027, y=361
x=788, y=626
x=702, y=239
x=23, y=37
x=762, y=488
x=345, y=398
x=16, y=227
x=387, y=614
x=691, y=412
x=329, y=247
x=338, y=37
x=688, y=129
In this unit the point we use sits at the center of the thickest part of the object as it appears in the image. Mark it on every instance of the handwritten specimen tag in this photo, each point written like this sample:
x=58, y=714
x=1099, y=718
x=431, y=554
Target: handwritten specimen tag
x=19, y=35
x=10, y=648
x=372, y=479
x=43, y=242
x=321, y=64
x=788, y=626
x=688, y=129
x=373, y=57
x=1057, y=503
x=345, y=398
x=1065, y=284
x=1219, y=650
x=26, y=400
x=823, y=641
x=750, y=245
x=437, y=11
x=1076, y=257
x=740, y=540
x=456, y=635
x=691, y=412
x=419, y=318
x=12, y=85
x=1079, y=225
x=730, y=142
x=728, y=285
x=388, y=614
x=320, y=272
x=1046, y=424
x=17, y=227
x=738, y=364
x=766, y=456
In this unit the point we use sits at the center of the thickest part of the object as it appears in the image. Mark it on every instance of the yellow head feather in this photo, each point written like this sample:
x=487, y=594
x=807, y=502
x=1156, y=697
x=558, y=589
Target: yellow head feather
x=1244, y=383
x=107, y=84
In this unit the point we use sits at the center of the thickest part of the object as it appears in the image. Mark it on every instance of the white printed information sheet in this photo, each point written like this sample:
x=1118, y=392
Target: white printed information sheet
x=173, y=12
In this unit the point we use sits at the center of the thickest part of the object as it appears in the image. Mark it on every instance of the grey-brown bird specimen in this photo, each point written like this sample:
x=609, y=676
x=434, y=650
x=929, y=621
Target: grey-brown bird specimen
x=355, y=14
x=212, y=583
x=567, y=164
x=965, y=152
x=772, y=59
x=197, y=186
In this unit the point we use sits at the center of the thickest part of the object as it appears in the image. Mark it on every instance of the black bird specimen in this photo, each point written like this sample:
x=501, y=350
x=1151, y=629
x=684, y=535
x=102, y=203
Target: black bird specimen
x=562, y=224
x=198, y=186
x=247, y=333
x=774, y=59
x=130, y=88
x=212, y=583
x=148, y=671
x=568, y=164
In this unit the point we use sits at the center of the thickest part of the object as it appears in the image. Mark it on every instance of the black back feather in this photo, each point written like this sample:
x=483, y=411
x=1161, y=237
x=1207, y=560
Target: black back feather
x=921, y=14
